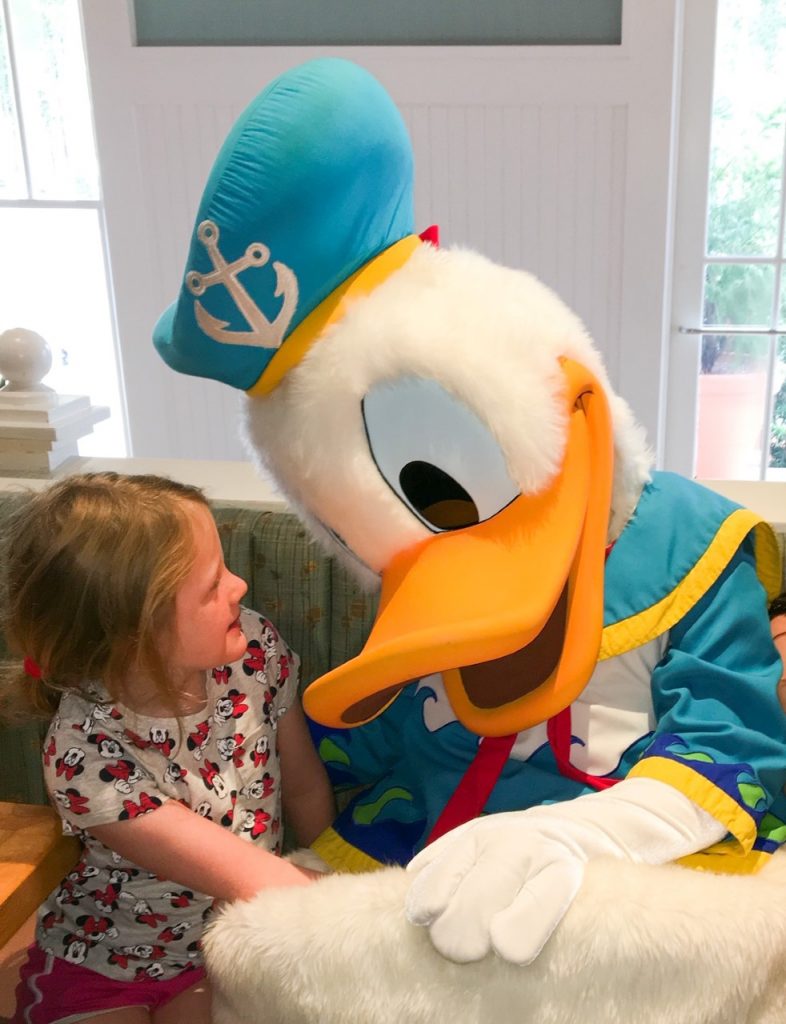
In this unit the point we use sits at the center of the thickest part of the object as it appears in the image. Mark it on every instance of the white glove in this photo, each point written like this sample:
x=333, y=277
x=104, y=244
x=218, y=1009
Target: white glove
x=505, y=881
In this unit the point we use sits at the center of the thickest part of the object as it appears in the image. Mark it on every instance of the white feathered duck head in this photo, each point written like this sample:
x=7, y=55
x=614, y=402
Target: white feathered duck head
x=442, y=423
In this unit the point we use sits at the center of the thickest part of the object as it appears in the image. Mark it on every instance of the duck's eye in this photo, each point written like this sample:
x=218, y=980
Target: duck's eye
x=436, y=454
x=437, y=497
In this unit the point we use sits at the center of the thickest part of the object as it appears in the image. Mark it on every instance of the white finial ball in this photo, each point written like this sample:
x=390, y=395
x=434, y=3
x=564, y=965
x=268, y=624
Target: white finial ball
x=25, y=359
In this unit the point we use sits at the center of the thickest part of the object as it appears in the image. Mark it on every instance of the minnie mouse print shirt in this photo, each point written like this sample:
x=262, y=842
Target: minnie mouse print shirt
x=104, y=763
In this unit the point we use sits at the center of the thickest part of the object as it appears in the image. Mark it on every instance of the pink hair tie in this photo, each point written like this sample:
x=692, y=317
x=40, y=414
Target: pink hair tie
x=32, y=668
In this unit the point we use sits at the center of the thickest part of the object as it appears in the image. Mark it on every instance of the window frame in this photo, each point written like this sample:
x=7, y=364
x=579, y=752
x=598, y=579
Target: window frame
x=691, y=259
x=31, y=202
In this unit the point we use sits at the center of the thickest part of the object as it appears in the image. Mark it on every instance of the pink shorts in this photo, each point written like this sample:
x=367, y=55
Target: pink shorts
x=53, y=991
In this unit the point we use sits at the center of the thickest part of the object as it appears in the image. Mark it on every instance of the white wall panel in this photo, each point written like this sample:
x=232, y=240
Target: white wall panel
x=554, y=159
x=531, y=187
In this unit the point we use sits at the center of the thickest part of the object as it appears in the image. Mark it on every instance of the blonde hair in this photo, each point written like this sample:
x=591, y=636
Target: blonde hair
x=92, y=567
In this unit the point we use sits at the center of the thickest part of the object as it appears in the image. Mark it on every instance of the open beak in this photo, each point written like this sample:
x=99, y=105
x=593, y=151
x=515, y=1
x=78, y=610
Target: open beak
x=509, y=611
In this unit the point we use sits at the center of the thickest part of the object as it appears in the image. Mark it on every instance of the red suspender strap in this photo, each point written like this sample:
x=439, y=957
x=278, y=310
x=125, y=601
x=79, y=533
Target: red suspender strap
x=470, y=796
x=559, y=734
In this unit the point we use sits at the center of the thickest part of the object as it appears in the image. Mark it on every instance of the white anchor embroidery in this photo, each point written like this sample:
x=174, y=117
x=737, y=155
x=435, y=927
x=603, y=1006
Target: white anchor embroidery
x=264, y=333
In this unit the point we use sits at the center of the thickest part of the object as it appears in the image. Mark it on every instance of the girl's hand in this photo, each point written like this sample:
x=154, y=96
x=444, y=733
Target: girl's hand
x=308, y=876
x=312, y=875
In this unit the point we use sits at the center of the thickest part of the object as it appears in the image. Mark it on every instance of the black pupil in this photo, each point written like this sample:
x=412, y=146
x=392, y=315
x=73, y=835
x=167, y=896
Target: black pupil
x=440, y=499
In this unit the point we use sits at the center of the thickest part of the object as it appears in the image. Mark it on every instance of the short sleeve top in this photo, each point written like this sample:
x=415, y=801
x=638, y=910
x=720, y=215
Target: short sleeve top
x=105, y=763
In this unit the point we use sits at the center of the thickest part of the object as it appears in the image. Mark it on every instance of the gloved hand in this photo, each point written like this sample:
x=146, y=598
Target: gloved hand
x=505, y=881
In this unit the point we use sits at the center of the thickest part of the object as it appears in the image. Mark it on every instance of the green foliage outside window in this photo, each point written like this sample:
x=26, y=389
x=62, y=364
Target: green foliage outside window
x=745, y=194
x=743, y=207
x=778, y=425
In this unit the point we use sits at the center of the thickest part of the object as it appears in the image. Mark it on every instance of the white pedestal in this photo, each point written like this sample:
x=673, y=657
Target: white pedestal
x=39, y=430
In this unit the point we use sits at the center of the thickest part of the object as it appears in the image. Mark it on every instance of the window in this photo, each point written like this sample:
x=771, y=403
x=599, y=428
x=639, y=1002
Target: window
x=393, y=23
x=741, y=411
x=53, y=262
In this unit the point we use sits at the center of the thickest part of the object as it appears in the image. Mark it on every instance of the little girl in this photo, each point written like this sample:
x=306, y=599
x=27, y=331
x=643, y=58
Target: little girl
x=177, y=734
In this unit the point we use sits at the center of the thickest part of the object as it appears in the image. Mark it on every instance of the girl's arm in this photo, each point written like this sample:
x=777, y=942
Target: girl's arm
x=177, y=844
x=306, y=792
x=778, y=627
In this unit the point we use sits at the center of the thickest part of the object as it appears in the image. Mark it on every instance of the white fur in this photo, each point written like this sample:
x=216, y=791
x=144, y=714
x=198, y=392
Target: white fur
x=491, y=336
x=640, y=945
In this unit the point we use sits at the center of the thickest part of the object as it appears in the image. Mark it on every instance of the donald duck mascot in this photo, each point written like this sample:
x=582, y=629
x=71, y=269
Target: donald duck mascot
x=564, y=721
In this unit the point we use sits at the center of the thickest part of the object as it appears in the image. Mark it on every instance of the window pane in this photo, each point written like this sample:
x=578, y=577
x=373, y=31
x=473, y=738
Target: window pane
x=777, y=463
x=56, y=115
x=54, y=282
x=782, y=304
x=747, y=129
x=731, y=402
x=12, y=173
x=738, y=294
x=390, y=23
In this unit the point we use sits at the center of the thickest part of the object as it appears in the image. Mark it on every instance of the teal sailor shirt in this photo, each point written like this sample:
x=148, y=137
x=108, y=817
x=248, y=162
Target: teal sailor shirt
x=685, y=691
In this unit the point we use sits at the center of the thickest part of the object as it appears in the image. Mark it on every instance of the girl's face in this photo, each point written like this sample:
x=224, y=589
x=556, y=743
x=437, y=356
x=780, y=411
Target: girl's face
x=206, y=630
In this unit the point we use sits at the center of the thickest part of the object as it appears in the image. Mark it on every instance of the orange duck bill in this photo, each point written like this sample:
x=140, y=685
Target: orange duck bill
x=509, y=611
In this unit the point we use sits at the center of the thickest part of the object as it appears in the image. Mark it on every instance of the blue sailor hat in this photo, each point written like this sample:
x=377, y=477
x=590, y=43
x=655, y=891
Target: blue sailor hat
x=312, y=184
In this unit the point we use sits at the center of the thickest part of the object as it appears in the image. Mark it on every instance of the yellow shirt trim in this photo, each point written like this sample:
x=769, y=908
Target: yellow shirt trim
x=702, y=792
x=341, y=855
x=768, y=560
x=724, y=859
x=331, y=310
x=644, y=626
